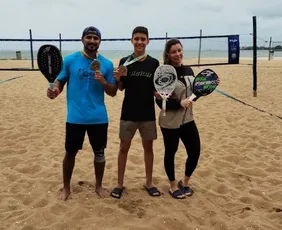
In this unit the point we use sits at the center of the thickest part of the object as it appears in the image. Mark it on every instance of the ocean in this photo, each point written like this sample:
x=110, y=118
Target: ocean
x=117, y=54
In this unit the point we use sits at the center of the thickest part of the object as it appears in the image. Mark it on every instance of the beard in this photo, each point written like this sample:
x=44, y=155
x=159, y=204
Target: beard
x=92, y=47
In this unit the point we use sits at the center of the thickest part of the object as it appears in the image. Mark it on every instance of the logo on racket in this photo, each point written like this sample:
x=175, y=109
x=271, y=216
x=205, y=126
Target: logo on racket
x=164, y=79
x=50, y=64
x=46, y=50
x=207, y=73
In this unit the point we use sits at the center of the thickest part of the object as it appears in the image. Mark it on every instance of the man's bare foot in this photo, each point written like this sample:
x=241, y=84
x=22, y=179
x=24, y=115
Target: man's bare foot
x=65, y=193
x=102, y=192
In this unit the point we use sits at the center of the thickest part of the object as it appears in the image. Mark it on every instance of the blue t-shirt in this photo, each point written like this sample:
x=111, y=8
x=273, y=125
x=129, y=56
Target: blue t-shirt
x=85, y=95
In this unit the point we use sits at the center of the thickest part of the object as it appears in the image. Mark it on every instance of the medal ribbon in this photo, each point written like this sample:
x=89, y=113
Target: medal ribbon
x=127, y=62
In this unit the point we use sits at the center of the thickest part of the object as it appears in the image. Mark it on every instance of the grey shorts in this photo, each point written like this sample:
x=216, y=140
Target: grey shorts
x=147, y=129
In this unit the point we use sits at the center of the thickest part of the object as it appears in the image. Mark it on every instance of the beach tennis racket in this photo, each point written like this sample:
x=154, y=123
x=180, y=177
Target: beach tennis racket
x=165, y=78
x=50, y=62
x=204, y=84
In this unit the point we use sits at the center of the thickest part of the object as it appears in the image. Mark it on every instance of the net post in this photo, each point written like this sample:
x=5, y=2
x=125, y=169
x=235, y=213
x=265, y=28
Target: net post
x=269, y=49
x=60, y=42
x=200, y=47
x=254, y=56
x=31, y=49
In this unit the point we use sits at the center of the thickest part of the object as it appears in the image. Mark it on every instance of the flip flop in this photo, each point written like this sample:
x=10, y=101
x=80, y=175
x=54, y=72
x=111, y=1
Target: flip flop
x=177, y=194
x=186, y=190
x=153, y=191
x=117, y=192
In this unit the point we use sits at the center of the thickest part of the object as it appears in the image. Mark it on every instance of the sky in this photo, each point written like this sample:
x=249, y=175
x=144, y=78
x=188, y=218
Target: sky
x=117, y=18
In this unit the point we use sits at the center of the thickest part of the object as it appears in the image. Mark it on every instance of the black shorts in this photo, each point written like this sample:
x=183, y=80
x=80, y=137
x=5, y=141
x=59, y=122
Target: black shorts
x=75, y=133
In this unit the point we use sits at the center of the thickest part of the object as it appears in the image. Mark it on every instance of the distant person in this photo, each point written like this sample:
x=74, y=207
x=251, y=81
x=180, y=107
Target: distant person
x=86, y=110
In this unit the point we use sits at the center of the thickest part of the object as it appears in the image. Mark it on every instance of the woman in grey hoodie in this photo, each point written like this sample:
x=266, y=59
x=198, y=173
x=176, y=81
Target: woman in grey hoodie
x=178, y=122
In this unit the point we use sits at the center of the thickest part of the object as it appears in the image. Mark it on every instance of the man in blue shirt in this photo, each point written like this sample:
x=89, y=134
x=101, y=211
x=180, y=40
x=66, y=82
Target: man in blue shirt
x=86, y=110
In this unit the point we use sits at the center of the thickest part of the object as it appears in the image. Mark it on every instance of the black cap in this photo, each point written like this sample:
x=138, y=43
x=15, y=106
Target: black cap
x=91, y=30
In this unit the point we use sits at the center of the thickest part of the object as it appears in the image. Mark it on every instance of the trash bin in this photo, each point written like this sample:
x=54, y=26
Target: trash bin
x=18, y=55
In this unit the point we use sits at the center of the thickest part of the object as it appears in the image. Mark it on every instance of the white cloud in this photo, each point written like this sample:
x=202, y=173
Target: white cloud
x=117, y=18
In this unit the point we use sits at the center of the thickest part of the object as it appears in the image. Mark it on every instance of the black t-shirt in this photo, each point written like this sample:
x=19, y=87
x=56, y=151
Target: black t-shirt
x=182, y=71
x=138, y=102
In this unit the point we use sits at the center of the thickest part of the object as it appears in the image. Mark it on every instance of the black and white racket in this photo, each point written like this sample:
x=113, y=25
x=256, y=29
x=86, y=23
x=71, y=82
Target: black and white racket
x=204, y=83
x=50, y=62
x=165, y=79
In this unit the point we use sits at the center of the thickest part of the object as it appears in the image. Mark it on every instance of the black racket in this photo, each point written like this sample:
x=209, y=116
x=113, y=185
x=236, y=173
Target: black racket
x=204, y=83
x=50, y=62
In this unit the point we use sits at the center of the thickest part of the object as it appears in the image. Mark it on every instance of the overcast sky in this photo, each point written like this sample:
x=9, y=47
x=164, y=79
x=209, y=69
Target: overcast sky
x=117, y=18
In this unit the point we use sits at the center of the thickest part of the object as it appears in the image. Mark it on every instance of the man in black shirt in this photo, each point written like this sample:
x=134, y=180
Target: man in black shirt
x=135, y=75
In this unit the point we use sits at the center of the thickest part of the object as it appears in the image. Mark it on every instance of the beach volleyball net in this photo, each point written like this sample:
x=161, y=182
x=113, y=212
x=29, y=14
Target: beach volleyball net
x=20, y=54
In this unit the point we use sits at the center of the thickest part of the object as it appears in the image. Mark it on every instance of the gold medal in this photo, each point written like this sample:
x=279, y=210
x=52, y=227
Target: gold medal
x=95, y=65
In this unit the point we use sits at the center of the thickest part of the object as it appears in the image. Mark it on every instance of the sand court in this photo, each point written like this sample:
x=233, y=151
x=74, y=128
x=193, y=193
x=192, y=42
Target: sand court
x=238, y=182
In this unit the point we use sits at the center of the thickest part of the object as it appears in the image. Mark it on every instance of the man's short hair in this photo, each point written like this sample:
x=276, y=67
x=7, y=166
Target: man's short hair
x=140, y=29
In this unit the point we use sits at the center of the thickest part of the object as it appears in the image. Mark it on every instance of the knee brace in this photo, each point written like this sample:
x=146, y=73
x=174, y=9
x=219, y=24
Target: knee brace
x=99, y=156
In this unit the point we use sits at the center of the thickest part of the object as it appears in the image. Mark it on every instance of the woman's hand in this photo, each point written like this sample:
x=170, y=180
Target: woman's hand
x=185, y=103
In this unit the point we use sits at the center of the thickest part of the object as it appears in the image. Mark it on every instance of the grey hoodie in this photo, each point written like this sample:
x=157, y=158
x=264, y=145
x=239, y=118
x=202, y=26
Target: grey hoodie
x=176, y=117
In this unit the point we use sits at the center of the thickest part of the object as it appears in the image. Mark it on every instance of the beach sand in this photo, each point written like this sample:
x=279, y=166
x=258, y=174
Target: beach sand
x=237, y=184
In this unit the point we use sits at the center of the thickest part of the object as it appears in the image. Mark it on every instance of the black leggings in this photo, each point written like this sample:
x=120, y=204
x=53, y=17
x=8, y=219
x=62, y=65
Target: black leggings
x=189, y=135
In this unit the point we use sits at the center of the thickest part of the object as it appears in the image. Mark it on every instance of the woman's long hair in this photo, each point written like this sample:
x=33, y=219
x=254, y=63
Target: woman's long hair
x=168, y=45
